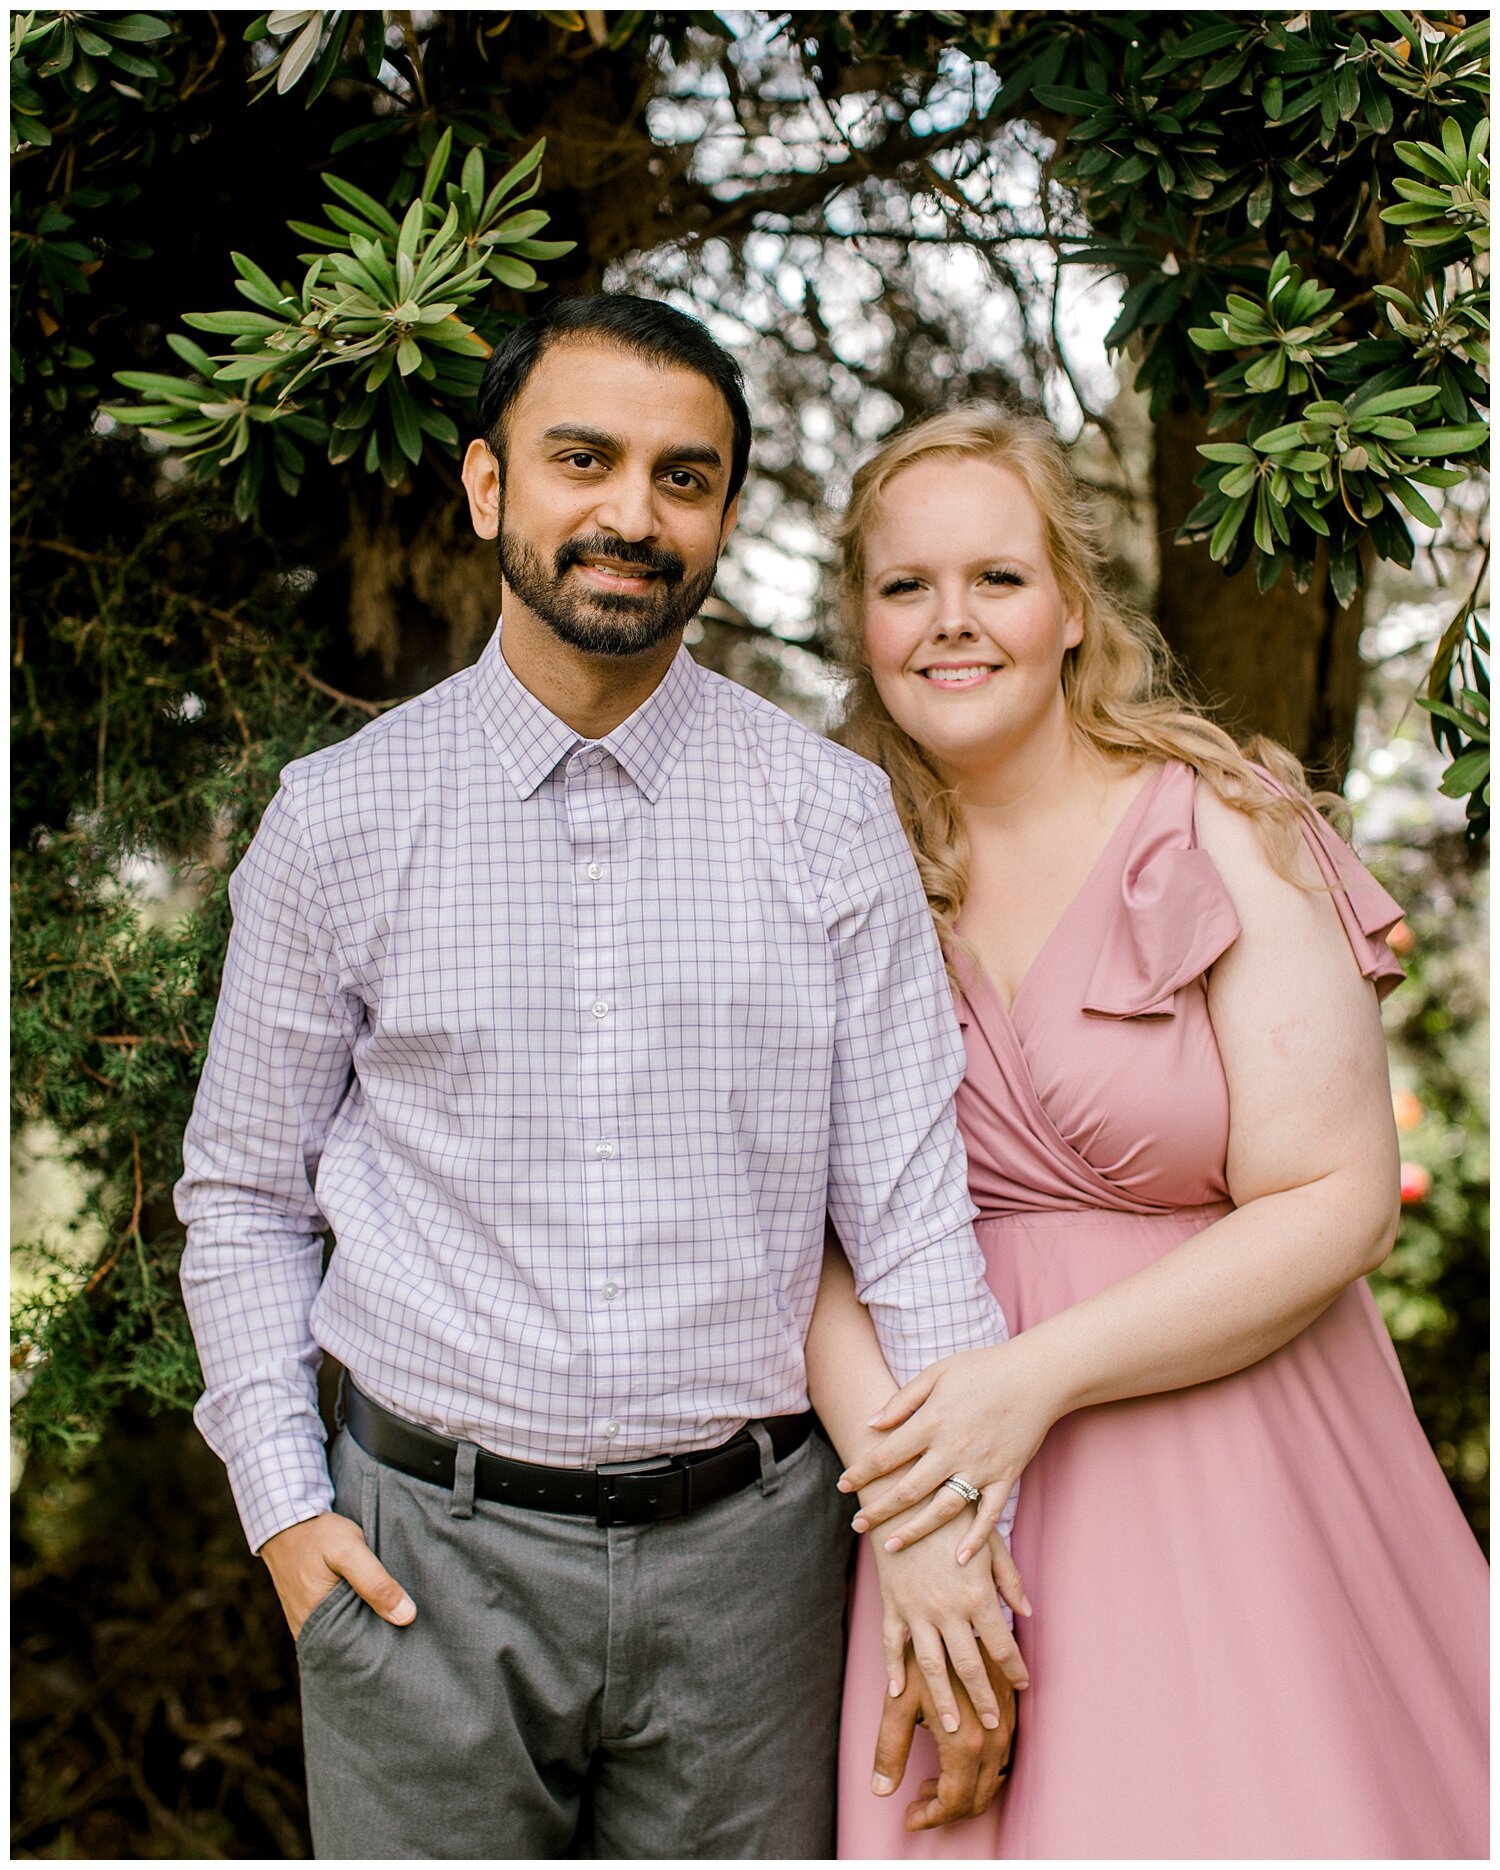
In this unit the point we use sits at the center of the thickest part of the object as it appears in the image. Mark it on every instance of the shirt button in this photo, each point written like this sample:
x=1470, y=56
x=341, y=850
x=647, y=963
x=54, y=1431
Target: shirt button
x=611, y=1429
x=599, y=1009
x=594, y=872
x=604, y=1151
x=610, y=1289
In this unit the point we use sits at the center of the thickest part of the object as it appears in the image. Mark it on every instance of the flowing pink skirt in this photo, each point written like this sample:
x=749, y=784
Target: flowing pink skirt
x=1260, y=1617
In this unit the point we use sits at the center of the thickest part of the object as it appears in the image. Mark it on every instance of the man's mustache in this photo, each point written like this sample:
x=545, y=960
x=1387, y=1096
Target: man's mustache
x=666, y=565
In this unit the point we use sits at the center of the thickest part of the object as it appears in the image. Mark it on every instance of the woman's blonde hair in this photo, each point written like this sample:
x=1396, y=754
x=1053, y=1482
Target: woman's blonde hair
x=1121, y=692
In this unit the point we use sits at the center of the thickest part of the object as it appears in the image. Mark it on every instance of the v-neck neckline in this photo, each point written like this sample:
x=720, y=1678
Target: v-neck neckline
x=981, y=978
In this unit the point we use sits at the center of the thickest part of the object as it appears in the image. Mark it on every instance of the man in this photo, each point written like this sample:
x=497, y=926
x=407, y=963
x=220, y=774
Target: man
x=569, y=995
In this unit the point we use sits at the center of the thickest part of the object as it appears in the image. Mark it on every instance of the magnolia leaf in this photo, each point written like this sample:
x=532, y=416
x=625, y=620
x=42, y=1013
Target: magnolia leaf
x=1228, y=526
x=299, y=55
x=378, y=217
x=140, y=27
x=1413, y=502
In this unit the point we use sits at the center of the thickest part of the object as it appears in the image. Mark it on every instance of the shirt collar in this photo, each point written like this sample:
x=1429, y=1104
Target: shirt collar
x=531, y=741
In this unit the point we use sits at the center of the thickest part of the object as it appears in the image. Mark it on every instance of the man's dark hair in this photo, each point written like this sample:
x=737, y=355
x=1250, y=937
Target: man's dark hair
x=647, y=327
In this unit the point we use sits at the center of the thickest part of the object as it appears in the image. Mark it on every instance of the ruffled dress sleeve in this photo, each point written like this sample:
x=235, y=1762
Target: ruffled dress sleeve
x=1175, y=917
x=1367, y=912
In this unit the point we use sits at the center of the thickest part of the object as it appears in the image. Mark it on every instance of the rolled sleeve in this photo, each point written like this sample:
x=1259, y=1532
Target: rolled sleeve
x=898, y=1178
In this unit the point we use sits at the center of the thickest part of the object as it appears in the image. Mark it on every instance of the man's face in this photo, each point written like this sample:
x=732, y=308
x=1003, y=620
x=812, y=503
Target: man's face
x=611, y=515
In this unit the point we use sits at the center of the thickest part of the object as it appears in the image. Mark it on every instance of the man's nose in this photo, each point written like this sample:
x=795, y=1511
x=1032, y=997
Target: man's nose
x=627, y=508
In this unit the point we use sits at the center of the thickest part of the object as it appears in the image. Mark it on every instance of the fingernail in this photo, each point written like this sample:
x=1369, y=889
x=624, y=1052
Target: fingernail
x=991, y=1721
x=874, y=1422
x=1025, y=1682
x=893, y=1545
x=964, y=1556
x=882, y=1787
x=860, y=1523
x=844, y=1486
x=893, y=1689
x=404, y=1611
x=950, y=1723
x=1025, y=1605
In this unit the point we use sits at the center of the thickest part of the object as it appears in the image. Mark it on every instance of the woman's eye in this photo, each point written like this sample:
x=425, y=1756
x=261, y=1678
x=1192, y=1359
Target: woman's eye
x=999, y=576
x=898, y=587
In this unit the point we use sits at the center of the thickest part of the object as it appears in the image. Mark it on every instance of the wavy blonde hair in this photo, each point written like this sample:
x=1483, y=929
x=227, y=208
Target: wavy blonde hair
x=1122, y=695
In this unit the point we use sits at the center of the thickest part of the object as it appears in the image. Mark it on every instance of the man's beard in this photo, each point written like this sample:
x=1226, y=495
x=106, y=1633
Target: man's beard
x=604, y=623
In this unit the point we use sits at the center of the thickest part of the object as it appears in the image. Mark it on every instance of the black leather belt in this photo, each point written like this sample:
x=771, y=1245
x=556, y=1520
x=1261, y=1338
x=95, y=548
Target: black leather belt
x=630, y=1493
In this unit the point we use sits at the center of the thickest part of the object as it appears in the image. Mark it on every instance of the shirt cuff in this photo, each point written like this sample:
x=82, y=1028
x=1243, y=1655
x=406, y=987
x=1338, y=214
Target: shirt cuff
x=279, y=1483
x=932, y=1303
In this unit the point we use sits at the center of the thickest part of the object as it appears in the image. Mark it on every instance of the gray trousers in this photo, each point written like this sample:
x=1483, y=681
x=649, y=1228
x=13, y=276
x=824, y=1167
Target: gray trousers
x=571, y=1690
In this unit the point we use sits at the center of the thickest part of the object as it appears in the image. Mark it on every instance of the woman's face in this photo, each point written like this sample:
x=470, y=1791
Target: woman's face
x=965, y=626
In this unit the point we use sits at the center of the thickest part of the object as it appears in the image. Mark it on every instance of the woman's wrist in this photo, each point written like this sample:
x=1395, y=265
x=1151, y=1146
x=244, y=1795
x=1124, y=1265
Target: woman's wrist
x=1035, y=1372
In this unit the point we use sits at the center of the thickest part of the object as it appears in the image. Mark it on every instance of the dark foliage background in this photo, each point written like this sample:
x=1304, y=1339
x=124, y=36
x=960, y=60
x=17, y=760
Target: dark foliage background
x=211, y=578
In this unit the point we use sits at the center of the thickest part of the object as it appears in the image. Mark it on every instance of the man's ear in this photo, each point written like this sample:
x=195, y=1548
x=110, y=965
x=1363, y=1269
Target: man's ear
x=481, y=477
x=727, y=524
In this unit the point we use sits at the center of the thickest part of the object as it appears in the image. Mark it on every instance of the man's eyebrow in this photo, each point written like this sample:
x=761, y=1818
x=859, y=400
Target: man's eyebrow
x=580, y=432
x=697, y=454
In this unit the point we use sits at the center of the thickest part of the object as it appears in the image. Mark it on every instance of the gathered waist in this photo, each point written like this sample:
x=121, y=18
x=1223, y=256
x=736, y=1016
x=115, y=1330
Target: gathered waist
x=1186, y=1220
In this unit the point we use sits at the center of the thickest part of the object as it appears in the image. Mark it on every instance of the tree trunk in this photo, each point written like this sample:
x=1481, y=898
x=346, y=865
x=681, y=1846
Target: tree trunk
x=1282, y=662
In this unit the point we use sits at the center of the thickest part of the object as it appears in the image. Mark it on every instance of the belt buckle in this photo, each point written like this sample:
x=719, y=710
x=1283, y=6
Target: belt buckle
x=610, y=1496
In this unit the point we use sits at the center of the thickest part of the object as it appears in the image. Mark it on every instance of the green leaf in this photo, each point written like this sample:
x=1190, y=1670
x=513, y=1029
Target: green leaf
x=1259, y=201
x=1436, y=442
x=1390, y=400
x=299, y=54
x=512, y=272
x=411, y=233
x=1398, y=22
x=364, y=204
x=1476, y=729
x=1413, y=502
x=233, y=324
x=1073, y=103
x=437, y=166
x=438, y=425
x=258, y=286
x=542, y=249
x=472, y=180
x=1228, y=527
x=140, y=27
x=404, y=421
x=1268, y=372
x=1467, y=774
x=513, y=176
x=1343, y=577
x=193, y=355
x=519, y=227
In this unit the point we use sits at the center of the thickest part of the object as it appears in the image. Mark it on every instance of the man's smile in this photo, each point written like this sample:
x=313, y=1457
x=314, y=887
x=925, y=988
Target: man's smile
x=612, y=575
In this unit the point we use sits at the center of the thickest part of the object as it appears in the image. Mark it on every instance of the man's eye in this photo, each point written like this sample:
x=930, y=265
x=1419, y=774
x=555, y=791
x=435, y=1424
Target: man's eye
x=581, y=458
x=683, y=481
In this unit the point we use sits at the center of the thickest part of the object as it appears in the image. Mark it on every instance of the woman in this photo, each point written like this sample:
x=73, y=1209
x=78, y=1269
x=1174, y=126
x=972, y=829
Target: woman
x=1258, y=1622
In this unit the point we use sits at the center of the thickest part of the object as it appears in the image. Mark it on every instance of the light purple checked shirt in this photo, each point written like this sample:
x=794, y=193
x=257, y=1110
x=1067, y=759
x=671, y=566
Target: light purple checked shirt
x=570, y=1043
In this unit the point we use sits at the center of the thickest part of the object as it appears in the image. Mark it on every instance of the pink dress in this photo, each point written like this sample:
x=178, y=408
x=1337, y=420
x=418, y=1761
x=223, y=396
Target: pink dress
x=1260, y=1617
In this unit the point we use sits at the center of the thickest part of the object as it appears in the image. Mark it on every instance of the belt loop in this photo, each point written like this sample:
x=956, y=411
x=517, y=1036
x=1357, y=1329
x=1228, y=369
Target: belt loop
x=770, y=1480
x=462, y=1504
